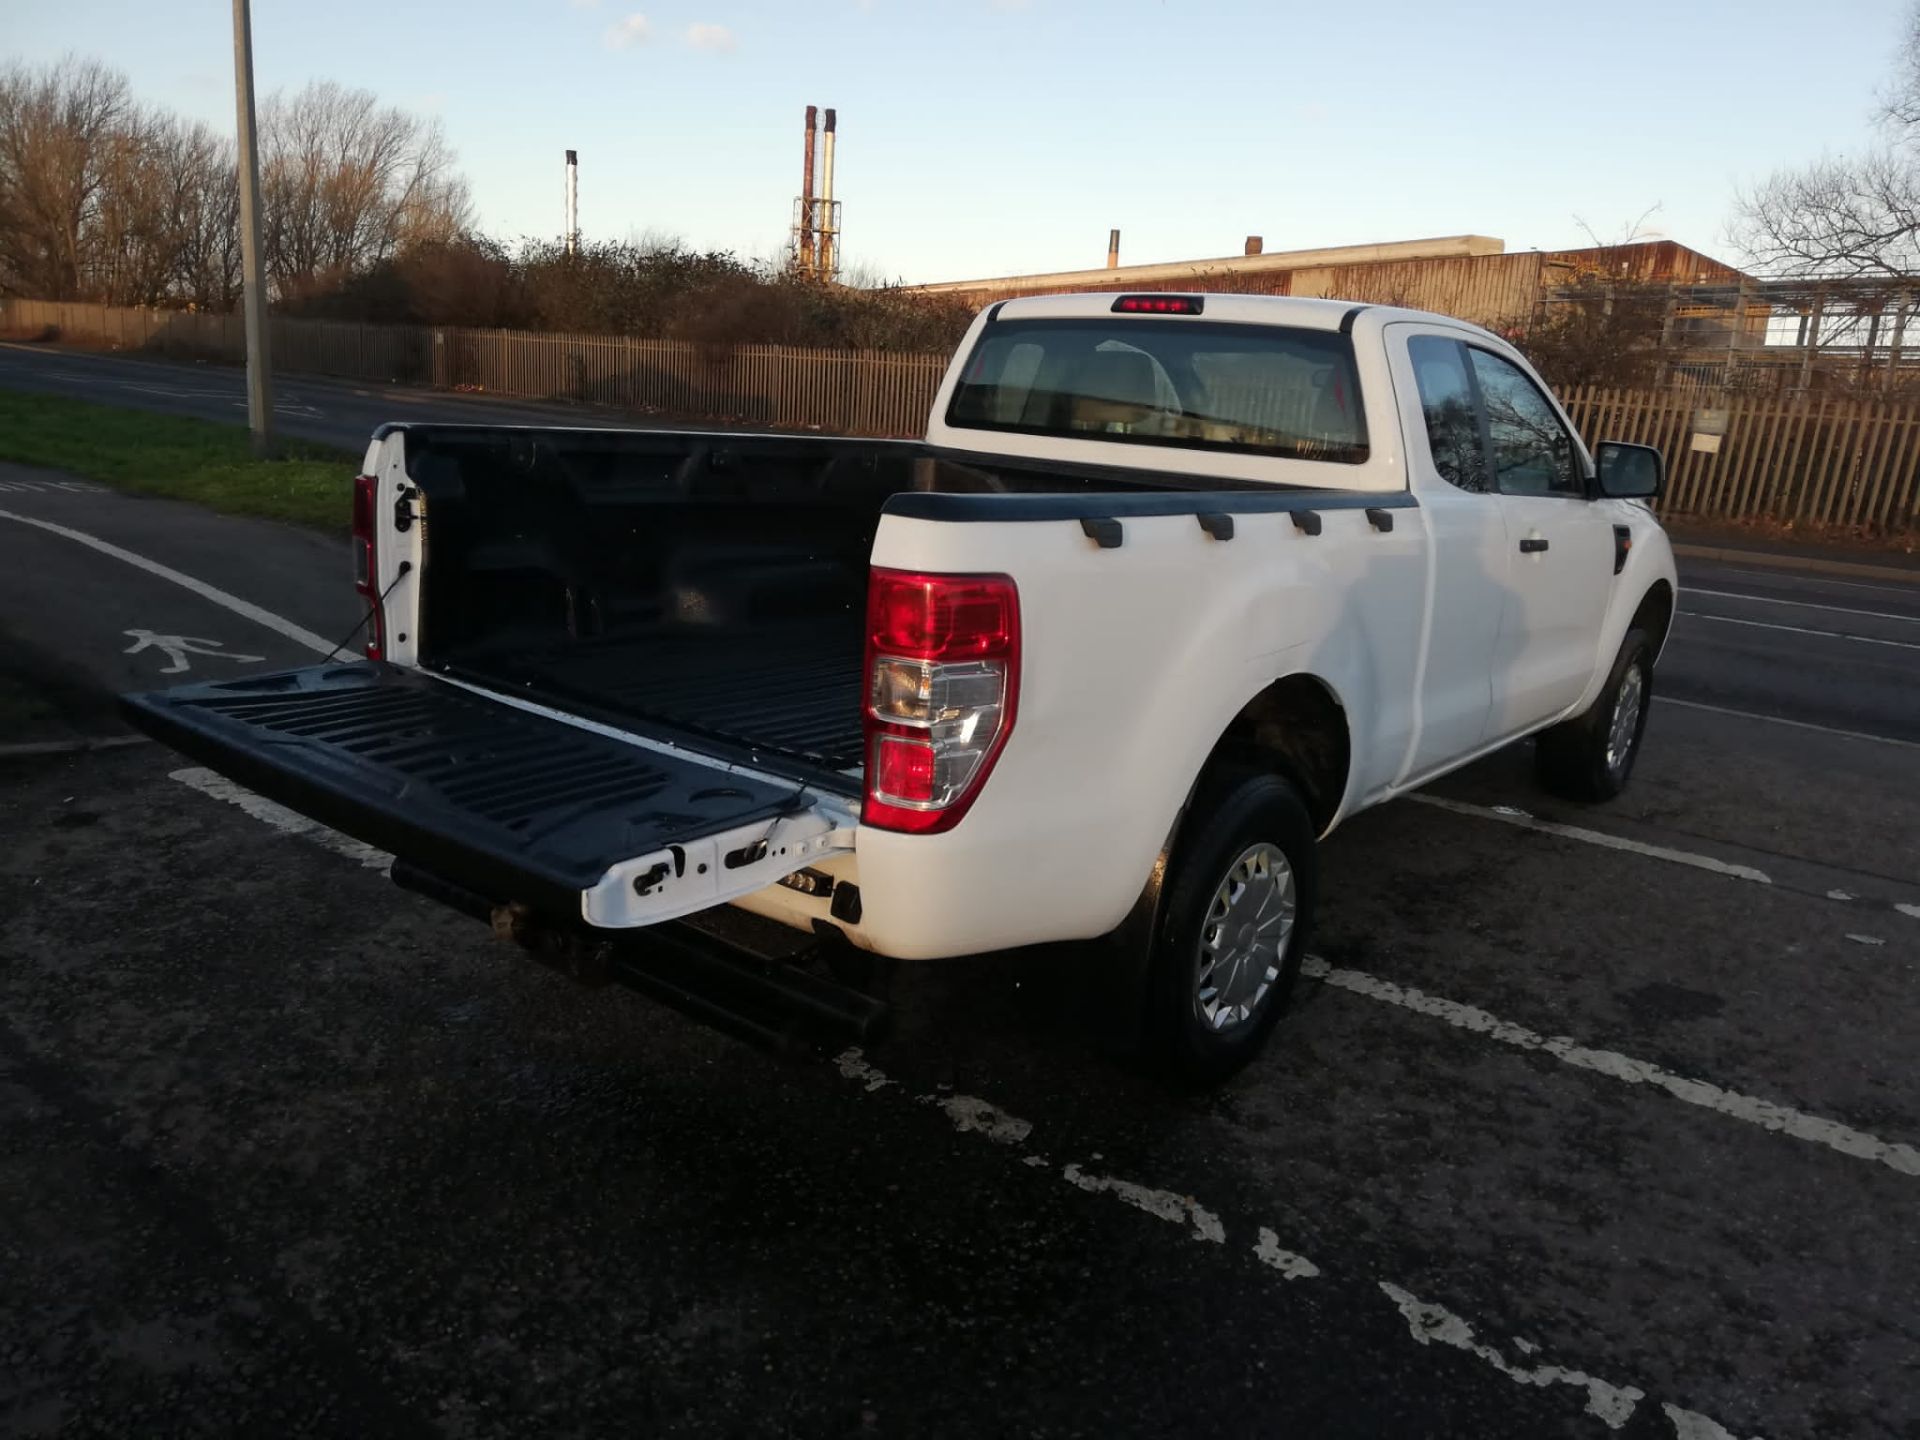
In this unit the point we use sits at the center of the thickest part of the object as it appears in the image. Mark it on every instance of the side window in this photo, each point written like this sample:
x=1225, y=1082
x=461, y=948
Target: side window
x=1446, y=398
x=1532, y=452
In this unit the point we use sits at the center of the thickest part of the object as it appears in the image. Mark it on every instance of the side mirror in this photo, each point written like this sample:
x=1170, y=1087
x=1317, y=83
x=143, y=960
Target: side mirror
x=1630, y=472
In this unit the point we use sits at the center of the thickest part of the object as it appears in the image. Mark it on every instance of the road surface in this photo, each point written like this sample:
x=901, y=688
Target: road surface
x=1589, y=1121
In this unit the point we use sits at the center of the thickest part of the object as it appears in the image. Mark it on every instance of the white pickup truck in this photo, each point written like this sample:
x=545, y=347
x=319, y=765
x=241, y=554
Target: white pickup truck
x=1173, y=585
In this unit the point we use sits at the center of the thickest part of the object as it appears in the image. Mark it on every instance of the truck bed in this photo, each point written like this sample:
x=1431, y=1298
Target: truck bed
x=794, y=690
x=709, y=589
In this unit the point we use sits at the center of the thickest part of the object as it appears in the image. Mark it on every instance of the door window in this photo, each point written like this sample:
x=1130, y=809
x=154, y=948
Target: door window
x=1446, y=399
x=1532, y=452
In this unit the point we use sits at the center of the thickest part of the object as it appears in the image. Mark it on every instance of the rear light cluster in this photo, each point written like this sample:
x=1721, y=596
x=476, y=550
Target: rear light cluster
x=943, y=673
x=366, y=567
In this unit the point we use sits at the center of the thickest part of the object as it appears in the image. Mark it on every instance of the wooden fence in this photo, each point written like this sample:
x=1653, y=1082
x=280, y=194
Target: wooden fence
x=1798, y=458
x=851, y=392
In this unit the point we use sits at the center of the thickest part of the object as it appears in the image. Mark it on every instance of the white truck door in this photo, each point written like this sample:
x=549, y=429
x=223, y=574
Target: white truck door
x=1560, y=561
x=1467, y=577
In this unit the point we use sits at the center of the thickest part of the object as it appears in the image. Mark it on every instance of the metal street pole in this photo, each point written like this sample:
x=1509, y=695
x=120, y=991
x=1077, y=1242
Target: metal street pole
x=252, y=259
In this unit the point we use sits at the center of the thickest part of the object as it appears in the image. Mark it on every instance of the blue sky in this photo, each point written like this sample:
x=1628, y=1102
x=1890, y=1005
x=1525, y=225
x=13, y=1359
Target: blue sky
x=982, y=137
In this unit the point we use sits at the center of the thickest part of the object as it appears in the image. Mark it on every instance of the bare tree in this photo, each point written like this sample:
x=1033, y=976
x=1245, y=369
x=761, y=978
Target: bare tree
x=1848, y=216
x=346, y=183
x=58, y=130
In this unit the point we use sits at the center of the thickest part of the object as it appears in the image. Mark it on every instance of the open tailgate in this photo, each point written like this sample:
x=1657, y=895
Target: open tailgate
x=517, y=806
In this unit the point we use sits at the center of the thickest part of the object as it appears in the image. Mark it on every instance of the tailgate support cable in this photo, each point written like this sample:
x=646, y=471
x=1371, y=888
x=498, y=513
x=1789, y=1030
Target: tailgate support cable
x=406, y=566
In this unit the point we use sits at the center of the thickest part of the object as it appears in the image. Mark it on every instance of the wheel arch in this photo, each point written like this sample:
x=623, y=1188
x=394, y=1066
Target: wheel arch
x=1296, y=727
x=1654, y=614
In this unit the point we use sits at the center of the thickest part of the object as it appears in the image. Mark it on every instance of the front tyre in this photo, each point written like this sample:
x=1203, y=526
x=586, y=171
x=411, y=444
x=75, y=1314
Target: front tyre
x=1590, y=757
x=1234, y=927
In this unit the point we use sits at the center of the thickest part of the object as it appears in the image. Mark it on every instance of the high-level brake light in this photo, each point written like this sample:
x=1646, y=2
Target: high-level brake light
x=943, y=674
x=1160, y=305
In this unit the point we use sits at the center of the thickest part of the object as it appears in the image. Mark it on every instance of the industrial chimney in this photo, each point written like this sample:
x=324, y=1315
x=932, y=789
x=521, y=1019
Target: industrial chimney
x=829, y=232
x=803, y=249
x=573, y=201
x=1113, y=249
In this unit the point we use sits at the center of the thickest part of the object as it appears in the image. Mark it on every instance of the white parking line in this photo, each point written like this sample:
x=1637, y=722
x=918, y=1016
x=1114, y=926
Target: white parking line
x=1781, y=720
x=1844, y=1139
x=1799, y=605
x=293, y=632
x=1525, y=821
x=1427, y=1323
x=207, y=782
x=1776, y=577
x=1612, y=1405
x=1802, y=630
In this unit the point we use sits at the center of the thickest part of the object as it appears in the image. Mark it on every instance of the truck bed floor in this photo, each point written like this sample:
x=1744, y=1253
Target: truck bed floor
x=794, y=691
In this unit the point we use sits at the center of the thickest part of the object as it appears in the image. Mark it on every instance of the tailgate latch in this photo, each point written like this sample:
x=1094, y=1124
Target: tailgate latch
x=715, y=869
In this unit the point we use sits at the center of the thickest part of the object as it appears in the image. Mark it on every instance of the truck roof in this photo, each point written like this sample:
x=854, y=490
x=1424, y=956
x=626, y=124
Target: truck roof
x=1299, y=311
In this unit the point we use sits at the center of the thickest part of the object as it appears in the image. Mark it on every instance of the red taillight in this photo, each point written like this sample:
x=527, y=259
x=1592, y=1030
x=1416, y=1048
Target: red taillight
x=943, y=673
x=366, y=555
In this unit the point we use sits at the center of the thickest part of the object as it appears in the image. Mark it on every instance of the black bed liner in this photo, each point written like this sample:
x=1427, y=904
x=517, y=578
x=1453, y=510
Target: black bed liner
x=793, y=691
x=515, y=805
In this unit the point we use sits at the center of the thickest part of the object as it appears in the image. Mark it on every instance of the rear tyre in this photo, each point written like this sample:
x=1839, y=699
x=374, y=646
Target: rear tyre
x=1590, y=757
x=1233, y=929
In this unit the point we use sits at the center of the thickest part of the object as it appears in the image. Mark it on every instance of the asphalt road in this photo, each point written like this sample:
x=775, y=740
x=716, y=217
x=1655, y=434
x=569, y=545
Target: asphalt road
x=339, y=413
x=1590, y=1121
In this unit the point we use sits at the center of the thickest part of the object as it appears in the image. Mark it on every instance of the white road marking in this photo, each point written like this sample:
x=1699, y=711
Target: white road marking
x=1691, y=1425
x=1506, y=815
x=207, y=782
x=1840, y=895
x=853, y=1064
x=1799, y=605
x=1795, y=724
x=1866, y=939
x=972, y=1115
x=1161, y=1204
x=1912, y=912
x=1903, y=1159
x=1820, y=579
x=1802, y=630
x=178, y=647
x=293, y=632
x=41, y=487
x=1436, y=1325
x=1290, y=1265
x=1429, y=1324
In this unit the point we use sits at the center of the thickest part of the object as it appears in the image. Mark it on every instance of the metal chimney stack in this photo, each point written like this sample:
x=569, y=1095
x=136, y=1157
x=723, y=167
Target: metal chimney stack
x=1113, y=249
x=803, y=250
x=829, y=232
x=573, y=201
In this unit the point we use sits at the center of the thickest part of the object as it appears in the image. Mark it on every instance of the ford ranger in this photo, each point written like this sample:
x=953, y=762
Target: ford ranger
x=1173, y=585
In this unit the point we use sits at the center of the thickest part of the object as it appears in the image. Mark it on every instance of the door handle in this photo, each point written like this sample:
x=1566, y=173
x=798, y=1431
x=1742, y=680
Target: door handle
x=1533, y=544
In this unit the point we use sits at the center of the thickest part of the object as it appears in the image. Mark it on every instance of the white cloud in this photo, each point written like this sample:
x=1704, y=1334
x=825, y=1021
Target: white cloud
x=625, y=34
x=711, y=37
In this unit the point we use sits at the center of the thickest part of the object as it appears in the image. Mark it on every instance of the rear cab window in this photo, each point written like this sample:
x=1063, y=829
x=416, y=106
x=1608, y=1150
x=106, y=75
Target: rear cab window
x=1275, y=391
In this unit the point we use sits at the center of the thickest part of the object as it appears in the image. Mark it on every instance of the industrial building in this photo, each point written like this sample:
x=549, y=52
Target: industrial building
x=1473, y=277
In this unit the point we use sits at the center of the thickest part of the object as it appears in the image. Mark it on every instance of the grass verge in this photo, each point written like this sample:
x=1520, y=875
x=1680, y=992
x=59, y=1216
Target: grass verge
x=198, y=460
